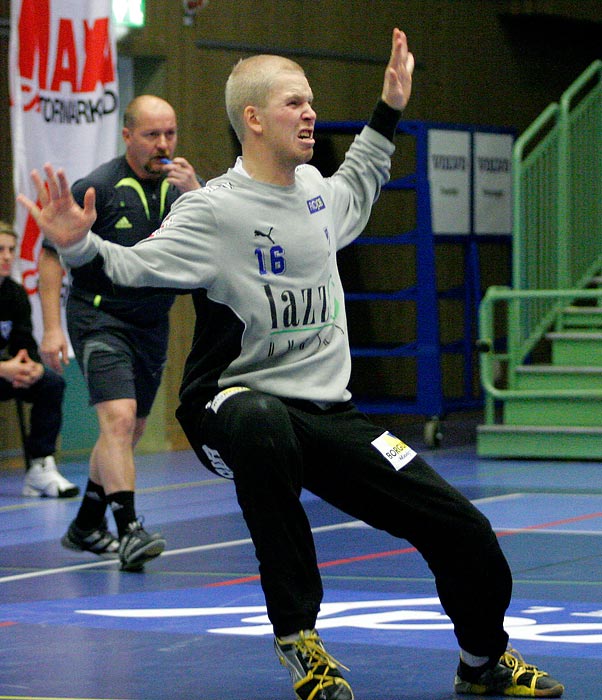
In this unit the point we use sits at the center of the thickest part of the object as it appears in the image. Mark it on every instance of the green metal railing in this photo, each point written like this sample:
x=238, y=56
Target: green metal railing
x=557, y=171
x=535, y=168
x=580, y=175
x=497, y=315
x=557, y=226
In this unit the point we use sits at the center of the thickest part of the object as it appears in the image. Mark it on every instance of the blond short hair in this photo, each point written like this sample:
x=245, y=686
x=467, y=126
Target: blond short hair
x=251, y=82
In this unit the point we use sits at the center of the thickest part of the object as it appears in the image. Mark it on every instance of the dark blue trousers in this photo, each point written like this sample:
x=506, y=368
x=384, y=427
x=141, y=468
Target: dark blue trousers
x=46, y=399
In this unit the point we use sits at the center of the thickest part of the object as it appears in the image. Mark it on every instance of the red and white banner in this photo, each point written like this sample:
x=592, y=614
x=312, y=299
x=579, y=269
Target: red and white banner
x=64, y=103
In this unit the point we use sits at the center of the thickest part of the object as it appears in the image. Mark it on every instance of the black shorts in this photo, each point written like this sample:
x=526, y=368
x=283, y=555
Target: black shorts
x=118, y=360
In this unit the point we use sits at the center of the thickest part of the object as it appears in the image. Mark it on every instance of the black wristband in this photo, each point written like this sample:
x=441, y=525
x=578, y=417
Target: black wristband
x=385, y=119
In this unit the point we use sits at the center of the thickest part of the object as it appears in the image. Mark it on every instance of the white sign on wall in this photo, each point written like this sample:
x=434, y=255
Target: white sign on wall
x=493, y=183
x=449, y=173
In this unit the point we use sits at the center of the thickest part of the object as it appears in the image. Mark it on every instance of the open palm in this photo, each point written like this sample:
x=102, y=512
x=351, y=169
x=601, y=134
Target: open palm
x=59, y=216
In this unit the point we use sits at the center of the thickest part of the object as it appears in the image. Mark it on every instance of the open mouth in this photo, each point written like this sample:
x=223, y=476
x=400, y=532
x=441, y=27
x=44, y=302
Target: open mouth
x=306, y=135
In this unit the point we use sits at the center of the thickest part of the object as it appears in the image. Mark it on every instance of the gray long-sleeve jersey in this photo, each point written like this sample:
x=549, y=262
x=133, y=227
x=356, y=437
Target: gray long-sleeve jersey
x=261, y=261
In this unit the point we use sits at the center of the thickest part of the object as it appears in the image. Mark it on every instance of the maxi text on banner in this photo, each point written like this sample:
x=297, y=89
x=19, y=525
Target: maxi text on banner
x=63, y=102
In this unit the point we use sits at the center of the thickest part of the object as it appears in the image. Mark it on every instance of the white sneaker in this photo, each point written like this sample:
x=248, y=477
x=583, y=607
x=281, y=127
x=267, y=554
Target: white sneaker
x=43, y=479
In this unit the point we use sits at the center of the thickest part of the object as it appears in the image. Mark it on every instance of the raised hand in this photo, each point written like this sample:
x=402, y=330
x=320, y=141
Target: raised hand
x=397, y=85
x=59, y=216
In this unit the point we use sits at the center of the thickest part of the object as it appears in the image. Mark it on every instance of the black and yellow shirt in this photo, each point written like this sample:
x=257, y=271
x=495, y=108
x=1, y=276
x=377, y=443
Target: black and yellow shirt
x=128, y=209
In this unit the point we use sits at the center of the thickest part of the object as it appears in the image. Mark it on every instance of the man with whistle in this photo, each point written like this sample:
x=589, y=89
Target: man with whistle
x=119, y=335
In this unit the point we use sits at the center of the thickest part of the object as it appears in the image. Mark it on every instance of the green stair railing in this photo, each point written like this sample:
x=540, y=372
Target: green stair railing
x=557, y=228
x=580, y=177
x=497, y=315
x=535, y=169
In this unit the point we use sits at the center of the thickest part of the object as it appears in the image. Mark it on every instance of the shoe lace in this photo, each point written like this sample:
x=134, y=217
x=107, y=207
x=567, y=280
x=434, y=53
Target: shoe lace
x=515, y=662
x=314, y=654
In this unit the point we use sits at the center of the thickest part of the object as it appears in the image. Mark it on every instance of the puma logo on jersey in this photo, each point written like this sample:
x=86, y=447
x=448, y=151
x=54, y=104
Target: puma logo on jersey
x=267, y=235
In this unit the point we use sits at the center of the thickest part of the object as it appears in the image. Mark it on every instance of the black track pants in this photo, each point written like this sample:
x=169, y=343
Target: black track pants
x=46, y=399
x=275, y=448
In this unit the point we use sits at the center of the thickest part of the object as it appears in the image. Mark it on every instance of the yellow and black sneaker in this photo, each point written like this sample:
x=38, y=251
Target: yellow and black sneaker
x=314, y=672
x=511, y=676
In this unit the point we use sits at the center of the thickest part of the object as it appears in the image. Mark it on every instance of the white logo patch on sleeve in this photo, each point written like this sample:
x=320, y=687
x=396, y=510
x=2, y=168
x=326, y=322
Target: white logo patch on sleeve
x=394, y=450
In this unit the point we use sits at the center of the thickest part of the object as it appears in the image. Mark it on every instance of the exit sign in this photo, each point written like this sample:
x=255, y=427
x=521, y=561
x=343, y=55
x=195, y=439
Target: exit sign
x=129, y=13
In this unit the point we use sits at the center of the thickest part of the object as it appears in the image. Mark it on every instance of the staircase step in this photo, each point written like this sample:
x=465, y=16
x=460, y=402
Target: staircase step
x=543, y=441
x=553, y=410
x=554, y=377
x=581, y=317
x=576, y=348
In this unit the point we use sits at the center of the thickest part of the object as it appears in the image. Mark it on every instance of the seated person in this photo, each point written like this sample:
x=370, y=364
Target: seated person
x=23, y=376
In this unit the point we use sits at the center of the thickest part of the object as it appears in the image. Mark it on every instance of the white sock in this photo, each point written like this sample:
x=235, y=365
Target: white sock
x=287, y=639
x=472, y=660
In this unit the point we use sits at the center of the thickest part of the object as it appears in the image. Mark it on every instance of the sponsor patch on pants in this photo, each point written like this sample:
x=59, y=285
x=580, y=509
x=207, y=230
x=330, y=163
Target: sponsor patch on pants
x=394, y=450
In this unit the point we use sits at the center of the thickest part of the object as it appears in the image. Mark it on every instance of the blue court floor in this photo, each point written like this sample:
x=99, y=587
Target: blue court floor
x=193, y=625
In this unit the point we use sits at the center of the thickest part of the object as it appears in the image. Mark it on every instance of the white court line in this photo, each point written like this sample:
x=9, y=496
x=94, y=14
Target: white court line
x=548, y=531
x=168, y=553
x=245, y=541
